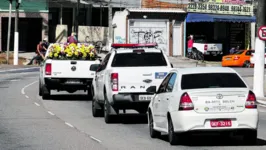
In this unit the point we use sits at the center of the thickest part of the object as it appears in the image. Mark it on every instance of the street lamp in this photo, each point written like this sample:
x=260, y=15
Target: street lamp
x=16, y=40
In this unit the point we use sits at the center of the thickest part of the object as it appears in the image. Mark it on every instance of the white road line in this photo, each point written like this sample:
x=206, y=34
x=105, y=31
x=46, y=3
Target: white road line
x=50, y=113
x=95, y=139
x=36, y=104
x=70, y=125
x=23, y=89
x=26, y=96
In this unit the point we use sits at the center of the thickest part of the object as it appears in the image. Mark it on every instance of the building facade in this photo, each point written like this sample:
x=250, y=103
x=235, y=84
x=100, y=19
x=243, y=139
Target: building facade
x=231, y=25
x=32, y=24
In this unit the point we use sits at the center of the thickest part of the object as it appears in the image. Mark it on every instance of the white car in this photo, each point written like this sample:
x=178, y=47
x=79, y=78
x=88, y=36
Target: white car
x=203, y=99
x=123, y=77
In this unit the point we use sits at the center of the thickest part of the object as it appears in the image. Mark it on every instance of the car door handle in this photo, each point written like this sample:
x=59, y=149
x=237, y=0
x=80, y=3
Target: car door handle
x=167, y=98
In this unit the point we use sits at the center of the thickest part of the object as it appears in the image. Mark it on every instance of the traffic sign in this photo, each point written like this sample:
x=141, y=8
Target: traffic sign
x=262, y=33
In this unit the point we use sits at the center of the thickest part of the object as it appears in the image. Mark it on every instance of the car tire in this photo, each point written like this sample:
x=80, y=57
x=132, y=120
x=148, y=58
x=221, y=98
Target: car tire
x=40, y=88
x=108, y=118
x=153, y=133
x=246, y=64
x=250, y=137
x=46, y=93
x=96, y=112
x=172, y=136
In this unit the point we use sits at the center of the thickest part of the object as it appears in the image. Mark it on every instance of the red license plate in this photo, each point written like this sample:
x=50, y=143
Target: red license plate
x=221, y=123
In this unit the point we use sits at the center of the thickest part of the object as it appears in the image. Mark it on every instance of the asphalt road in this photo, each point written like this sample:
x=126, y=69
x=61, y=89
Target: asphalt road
x=66, y=122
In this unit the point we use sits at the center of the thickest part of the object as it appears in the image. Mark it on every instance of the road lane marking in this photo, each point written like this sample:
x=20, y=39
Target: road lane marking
x=26, y=96
x=36, y=104
x=70, y=125
x=95, y=139
x=23, y=89
x=50, y=113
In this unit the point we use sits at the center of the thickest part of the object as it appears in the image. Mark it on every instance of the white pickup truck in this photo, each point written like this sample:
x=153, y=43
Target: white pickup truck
x=123, y=77
x=201, y=44
x=65, y=75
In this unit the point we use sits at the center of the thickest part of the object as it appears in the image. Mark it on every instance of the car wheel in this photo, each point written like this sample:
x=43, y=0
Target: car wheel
x=250, y=137
x=153, y=133
x=46, y=93
x=172, y=136
x=40, y=88
x=96, y=112
x=107, y=116
x=247, y=64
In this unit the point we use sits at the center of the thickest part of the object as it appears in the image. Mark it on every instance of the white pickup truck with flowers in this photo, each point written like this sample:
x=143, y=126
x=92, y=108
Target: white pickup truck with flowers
x=67, y=68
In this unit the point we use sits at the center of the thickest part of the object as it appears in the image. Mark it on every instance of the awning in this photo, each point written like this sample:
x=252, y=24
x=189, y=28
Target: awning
x=197, y=17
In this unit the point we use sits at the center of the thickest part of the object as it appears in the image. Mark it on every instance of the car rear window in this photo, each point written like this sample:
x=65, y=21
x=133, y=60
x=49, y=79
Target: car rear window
x=139, y=59
x=211, y=80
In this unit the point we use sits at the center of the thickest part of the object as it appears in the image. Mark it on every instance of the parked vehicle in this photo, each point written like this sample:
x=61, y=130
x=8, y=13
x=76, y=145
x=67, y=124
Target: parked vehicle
x=123, y=77
x=65, y=75
x=201, y=44
x=209, y=99
x=240, y=58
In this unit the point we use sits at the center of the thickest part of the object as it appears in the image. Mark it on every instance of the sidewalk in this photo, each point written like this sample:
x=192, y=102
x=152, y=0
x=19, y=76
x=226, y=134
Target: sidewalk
x=183, y=62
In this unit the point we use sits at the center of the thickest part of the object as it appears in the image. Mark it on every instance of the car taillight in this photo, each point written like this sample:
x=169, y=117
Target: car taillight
x=251, y=101
x=236, y=57
x=48, y=69
x=186, y=103
x=114, y=81
x=205, y=47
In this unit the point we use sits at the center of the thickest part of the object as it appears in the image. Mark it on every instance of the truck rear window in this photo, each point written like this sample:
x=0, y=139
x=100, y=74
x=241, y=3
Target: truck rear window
x=138, y=60
x=211, y=80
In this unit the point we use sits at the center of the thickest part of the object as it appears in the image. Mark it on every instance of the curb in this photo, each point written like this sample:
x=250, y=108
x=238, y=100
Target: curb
x=18, y=69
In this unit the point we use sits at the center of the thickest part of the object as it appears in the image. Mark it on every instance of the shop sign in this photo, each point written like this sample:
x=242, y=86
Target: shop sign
x=219, y=8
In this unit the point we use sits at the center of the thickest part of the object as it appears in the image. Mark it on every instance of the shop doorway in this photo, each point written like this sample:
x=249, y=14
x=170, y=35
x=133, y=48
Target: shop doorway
x=30, y=34
x=226, y=33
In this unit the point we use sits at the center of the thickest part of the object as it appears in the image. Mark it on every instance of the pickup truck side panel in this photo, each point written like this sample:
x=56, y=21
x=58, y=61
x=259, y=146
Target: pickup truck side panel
x=208, y=48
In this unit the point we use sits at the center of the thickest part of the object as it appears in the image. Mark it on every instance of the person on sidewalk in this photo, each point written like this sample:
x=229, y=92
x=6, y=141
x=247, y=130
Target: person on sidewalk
x=41, y=50
x=190, y=45
x=72, y=38
x=232, y=50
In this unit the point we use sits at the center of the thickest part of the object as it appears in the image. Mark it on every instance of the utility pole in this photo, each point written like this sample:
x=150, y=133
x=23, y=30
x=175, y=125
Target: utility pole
x=258, y=82
x=16, y=40
x=9, y=30
x=110, y=17
x=77, y=19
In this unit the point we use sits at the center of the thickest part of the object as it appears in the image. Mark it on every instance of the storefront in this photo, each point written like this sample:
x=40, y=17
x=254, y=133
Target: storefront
x=151, y=25
x=226, y=24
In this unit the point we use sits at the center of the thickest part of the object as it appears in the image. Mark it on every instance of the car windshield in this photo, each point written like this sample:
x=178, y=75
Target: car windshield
x=211, y=80
x=139, y=59
x=239, y=52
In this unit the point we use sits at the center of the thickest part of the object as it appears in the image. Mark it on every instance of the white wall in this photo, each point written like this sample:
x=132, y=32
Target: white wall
x=120, y=31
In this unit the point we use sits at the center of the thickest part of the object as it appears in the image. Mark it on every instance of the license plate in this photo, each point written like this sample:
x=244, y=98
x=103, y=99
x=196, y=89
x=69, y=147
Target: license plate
x=214, y=52
x=221, y=123
x=73, y=82
x=228, y=58
x=145, y=97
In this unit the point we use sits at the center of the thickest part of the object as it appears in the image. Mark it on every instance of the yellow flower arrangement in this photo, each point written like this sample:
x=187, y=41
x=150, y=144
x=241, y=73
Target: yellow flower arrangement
x=72, y=51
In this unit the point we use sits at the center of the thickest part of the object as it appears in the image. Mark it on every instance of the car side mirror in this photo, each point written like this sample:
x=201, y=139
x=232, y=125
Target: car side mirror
x=151, y=89
x=94, y=67
x=172, y=65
